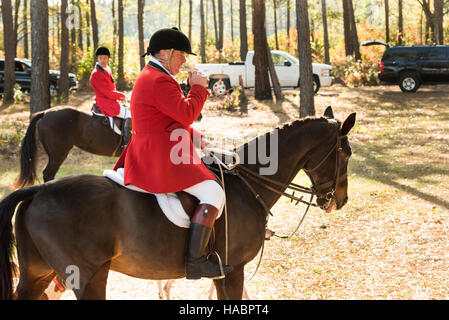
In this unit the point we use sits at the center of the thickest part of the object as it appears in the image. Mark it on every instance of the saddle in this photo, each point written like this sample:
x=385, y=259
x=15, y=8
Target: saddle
x=116, y=123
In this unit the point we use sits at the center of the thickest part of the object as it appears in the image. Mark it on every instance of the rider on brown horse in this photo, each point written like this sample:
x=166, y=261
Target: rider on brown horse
x=106, y=96
x=160, y=112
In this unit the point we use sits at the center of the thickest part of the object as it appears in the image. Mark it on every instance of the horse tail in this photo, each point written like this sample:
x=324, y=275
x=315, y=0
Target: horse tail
x=29, y=155
x=7, y=208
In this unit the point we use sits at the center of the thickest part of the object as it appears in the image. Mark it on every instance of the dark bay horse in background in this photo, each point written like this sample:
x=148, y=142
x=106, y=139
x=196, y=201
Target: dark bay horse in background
x=59, y=129
x=96, y=225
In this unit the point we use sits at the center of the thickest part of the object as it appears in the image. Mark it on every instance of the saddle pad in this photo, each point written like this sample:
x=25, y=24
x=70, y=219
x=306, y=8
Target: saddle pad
x=168, y=202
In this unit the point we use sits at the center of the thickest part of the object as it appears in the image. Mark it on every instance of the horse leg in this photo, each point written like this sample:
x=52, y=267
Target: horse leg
x=231, y=287
x=94, y=288
x=167, y=288
x=159, y=286
x=57, y=151
x=35, y=273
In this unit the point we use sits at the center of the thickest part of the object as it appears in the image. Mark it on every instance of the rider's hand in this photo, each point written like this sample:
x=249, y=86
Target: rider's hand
x=196, y=77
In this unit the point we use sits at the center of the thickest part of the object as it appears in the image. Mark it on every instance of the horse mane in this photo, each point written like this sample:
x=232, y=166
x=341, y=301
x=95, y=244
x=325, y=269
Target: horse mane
x=286, y=128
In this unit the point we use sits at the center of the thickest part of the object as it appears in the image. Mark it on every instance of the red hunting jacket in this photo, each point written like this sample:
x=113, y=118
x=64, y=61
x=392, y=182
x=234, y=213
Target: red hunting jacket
x=158, y=107
x=105, y=94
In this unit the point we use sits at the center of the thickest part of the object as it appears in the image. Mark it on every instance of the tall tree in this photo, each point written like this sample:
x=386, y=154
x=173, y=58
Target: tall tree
x=262, y=88
x=243, y=30
x=288, y=24
x=40, y=77
x=179, y=14
x=387, y=22
x=16, y=24
x=306, y=96
x=190, y=19
x=274, y=77
x=349, y=50
x=140, y=16
x=438, y=21
x=88, y=26
x=94, y=23
x=275, y=24
x=220, y=25
x=327, y=59
x=215, y=23
x=202, y=33
x=25, y=29
x=9, y=76
x=121, y=84
x=400, y=24
x=64, y=81
x=81, y=26
x=354, y=36
x=231, y=13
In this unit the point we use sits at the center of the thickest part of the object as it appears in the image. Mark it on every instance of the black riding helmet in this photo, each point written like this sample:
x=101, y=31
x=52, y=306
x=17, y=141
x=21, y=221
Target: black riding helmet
x=169, y=38
x=102, y=51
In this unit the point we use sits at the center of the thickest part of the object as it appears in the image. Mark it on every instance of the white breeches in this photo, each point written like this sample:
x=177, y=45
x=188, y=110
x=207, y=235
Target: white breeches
x=210, y=192
x=125, y=113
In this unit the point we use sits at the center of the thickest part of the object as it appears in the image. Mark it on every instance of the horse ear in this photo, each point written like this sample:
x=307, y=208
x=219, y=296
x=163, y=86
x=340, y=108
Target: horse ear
x=328, y=113
x=348, y=124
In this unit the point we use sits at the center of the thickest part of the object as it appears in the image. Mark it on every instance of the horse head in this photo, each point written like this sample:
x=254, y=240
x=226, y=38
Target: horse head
x=327, y=168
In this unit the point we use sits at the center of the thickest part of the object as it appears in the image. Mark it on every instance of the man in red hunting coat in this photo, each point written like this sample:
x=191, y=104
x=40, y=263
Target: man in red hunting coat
x=161, y=158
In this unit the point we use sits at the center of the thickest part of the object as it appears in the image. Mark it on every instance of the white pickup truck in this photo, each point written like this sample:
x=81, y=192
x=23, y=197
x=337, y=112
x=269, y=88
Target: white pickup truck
x=287, y=69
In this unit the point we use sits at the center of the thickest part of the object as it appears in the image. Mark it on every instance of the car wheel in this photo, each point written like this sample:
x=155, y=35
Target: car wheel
x=409, y=82
x=316, y=84
x=219, y=87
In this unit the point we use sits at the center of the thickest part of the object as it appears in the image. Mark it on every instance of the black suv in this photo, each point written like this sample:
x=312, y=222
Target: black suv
x=23, y=76
x=411, y=66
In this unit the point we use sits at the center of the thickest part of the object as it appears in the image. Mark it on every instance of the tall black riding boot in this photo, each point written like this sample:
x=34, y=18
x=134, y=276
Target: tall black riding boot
x=126, y=132
x=197, y=265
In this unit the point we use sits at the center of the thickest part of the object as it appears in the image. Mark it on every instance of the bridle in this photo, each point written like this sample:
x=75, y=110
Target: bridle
x=332, y=184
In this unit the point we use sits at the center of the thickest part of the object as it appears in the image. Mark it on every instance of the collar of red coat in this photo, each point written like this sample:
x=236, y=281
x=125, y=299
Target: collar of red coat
x=99, y=67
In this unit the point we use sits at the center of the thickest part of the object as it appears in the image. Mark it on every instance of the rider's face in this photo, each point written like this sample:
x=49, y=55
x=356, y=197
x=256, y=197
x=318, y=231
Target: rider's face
x=178, y=58
x=103, y=60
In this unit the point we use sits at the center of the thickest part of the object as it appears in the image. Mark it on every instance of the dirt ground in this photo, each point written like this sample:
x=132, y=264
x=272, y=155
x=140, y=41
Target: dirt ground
x=388, y=242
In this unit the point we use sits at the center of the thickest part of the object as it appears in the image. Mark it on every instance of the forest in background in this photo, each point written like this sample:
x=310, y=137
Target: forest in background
x=115, y=23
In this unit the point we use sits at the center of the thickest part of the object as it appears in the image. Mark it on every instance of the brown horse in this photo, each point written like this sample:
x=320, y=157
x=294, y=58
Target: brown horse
x=80, y=227
x=59, y=130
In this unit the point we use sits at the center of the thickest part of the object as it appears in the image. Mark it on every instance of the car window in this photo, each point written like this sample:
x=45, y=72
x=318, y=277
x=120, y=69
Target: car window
x=2, y=65
x=278, y=60
x=437, y=52
x=19, y=66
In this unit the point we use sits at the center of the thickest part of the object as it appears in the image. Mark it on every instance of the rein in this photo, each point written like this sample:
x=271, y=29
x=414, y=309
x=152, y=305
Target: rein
x=275, y=186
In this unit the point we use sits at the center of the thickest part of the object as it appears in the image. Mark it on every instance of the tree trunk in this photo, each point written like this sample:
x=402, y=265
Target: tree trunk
x=387, y=22
x=400, y=24
x=347, y=29
x=262, y=88
x=40, y=77
x=121, y=84
x=9, y=75
x=81, y=27
x=94, y=24
x=354, y=37
x=438, y=21
x=231, y=14
x=64, y=81
x=274, y=77
x=179, y=14
x=306, y=96
x=288, y=25
x=87, y=27
x=202, y=33
x=190, y=19
x=140, y=16
x=275, y=24
x=220, y=25
x=25, y=26
x=327, y=59
x=243, y=31
x=214, y=10
x=114, y=32
x=16, y=24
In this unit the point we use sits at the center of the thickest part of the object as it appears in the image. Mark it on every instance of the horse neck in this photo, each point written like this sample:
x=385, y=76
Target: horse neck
x=294, y=142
